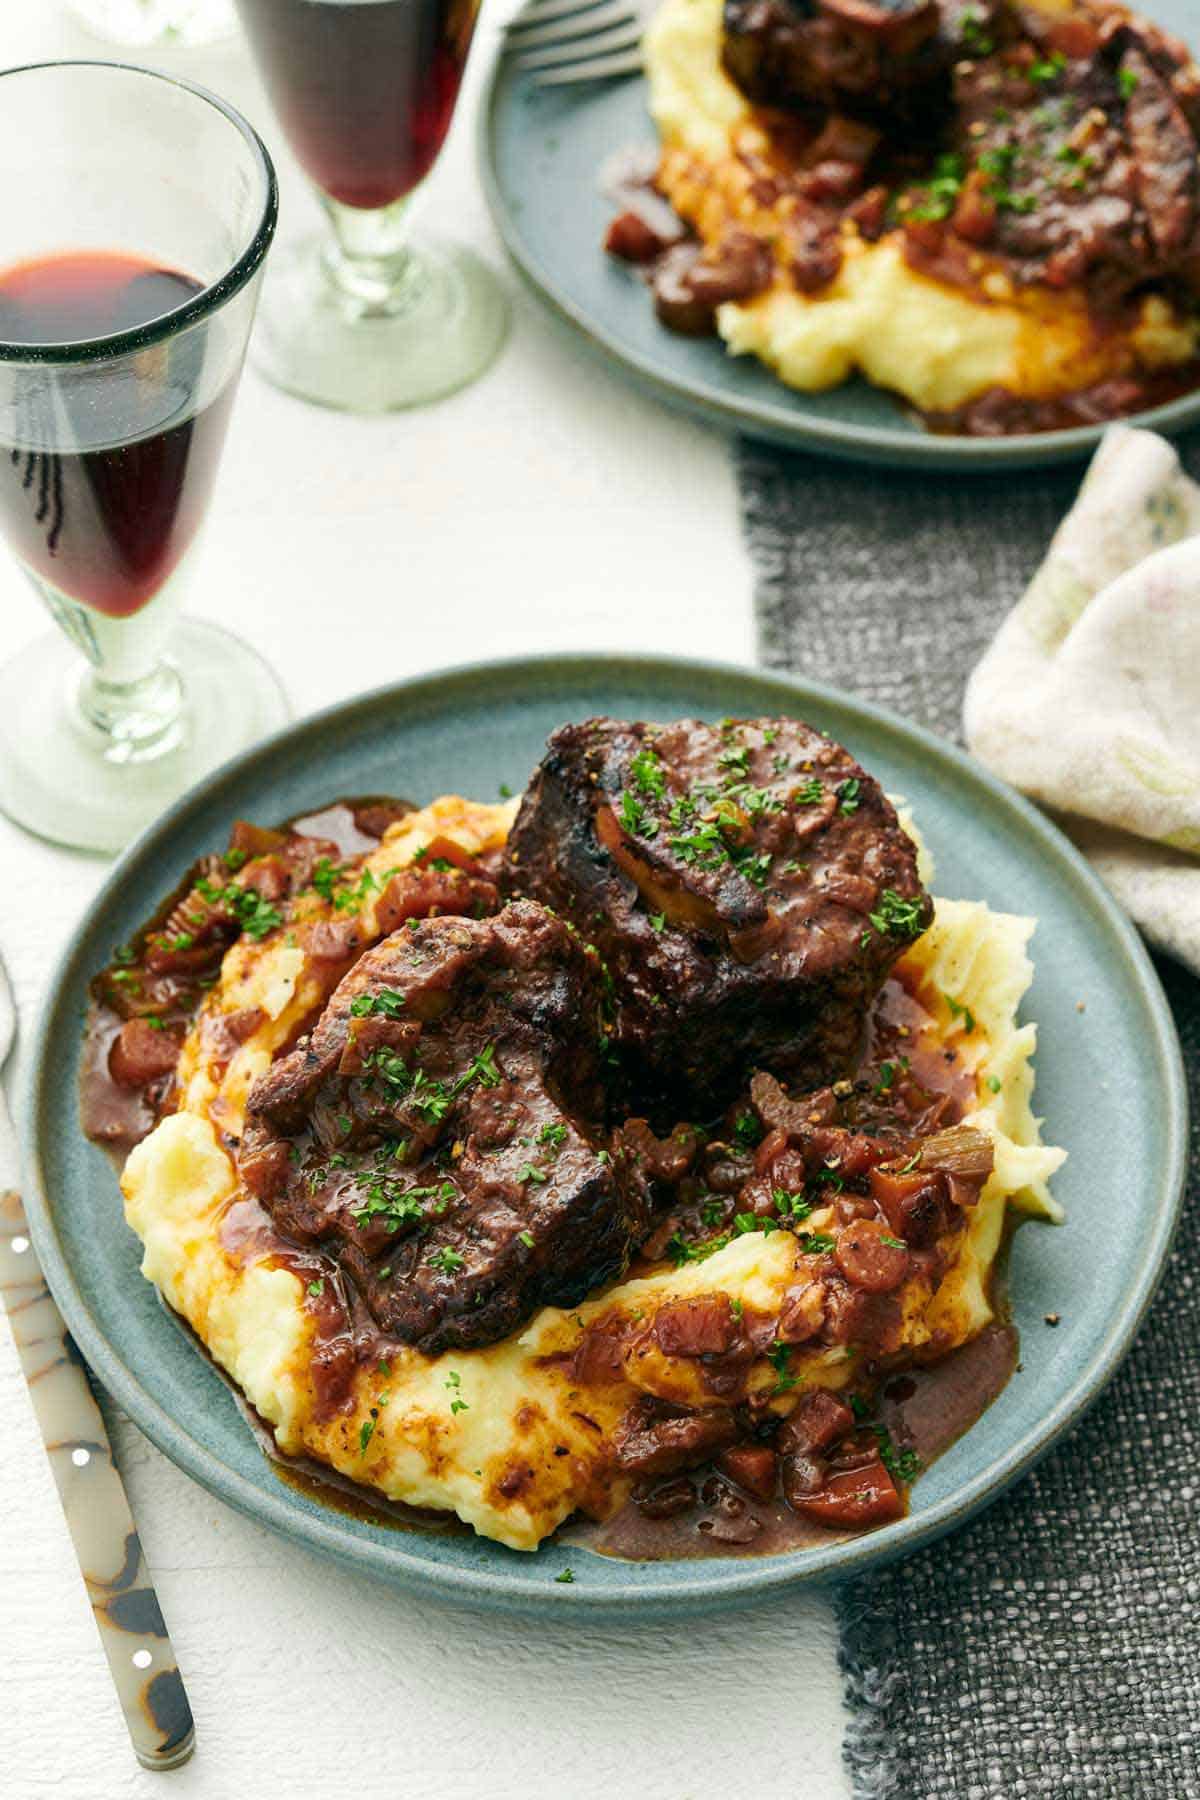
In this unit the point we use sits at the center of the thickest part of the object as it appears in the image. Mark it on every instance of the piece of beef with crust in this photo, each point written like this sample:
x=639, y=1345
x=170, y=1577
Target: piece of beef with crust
x=887, y=61
x=748, y=886
x=440, y=1134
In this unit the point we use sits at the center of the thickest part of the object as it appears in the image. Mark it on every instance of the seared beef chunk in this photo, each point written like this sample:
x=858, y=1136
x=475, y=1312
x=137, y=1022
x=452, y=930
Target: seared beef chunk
x=879, y=59
x=440, y=1133
x=747, y=885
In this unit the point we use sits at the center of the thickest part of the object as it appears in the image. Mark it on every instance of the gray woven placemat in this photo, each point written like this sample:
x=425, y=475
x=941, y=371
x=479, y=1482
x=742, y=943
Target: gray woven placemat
x=1052, y=1647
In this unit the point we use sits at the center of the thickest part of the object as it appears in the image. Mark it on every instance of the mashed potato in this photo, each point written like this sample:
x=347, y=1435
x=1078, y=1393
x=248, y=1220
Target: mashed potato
x=504, y=1436
x=935, y=344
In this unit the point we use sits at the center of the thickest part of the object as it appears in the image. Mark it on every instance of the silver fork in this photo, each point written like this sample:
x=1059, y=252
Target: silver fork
x=140, y=1656
x=562, y=41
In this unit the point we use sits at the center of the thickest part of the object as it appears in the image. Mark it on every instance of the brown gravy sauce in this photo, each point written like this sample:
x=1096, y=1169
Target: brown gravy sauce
x=926, y=1410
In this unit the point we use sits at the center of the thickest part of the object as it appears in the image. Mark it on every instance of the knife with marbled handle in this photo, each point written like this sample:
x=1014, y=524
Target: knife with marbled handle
x=125, y=1606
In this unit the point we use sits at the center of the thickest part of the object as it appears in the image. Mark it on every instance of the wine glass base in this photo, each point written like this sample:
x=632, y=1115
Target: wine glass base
x=444, y=326
x=54, y=777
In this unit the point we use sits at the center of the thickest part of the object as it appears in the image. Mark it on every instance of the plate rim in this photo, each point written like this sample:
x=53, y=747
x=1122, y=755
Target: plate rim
x=735, y=1581
x=873, y=444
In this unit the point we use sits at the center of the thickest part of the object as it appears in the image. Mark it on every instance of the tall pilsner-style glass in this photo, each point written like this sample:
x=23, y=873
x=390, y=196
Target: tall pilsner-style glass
x=137, y=213
x=365, y=91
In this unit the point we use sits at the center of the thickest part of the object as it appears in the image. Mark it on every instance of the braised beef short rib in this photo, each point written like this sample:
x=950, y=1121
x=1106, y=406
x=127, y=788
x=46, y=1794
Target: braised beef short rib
x=747, y=885
x=440, y=1134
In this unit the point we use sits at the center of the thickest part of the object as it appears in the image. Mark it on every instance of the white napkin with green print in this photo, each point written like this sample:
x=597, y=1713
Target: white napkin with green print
x=1089, y=696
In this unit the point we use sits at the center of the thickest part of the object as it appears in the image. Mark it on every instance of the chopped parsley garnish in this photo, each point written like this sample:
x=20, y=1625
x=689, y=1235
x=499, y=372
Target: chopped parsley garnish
x=712, y=1211
x=896, y=916
x=324, y=878
x=914, y=1162
x=445, y=1260
x=746, y=1130
x=529, y=1173
x=316, y=1287
x=941, y=190
x=567, y=1576
x=738, y=760
x=681, y=1252
x=554, y=1135
x=794, y=1204
x=994, y=1083
x=505, y=791
x=748, y=1221
x=1127, y=80
x=893, y=1243
x=780, y=1356
x=737, y=1308
x=453, y=1385
x=255, y=915
x=975, y=37
x=1048, y=68
x=648, y=774
x=849, y=794
x=633, y=816
x=526, y=1238
x=815, y=1243
x=701, y=847
x=365, y=1433
x=658, y=921
x=809, y=793
x=386, y=1002
x=887, y=1075
x=959, y=1011
x=901, y=1465
x=858, y=1406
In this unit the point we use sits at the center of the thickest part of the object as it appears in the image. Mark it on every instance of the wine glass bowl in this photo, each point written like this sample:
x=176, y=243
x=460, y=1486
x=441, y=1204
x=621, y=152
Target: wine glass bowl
x=365, y=91
x=138, y=213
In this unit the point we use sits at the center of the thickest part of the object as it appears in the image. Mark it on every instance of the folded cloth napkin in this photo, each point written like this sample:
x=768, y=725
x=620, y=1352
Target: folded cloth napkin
x=1088, y=699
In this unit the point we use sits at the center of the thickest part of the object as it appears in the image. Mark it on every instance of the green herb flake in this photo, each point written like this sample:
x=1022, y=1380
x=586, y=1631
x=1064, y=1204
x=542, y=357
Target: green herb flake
x=897, y=917
x=566, y=1577
x=901, y=1465
x=445, y=1260
x=316, y=1287
x=849, y=795
x=365, y=1433
x=387, y=1003
x=994, y=1083
x=648, y=775
x=960, y=1011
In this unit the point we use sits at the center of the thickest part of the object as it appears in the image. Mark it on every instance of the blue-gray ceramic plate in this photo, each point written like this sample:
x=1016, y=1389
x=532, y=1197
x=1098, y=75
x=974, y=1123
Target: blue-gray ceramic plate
x=541, y=150
x=471, y=730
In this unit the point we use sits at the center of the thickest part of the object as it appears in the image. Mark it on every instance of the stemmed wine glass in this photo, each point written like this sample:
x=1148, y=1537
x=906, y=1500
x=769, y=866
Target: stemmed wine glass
x=365, y=91
x=138, y=211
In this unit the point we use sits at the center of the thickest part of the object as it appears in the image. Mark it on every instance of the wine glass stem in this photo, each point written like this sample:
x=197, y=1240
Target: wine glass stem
x=368, y=259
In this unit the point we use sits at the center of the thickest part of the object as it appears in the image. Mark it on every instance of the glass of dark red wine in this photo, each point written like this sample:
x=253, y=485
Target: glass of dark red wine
x=369, y=319
x=138, y=211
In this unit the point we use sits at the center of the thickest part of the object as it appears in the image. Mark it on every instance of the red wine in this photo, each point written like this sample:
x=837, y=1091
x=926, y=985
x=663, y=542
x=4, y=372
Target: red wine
x=109, y=479
x=364, y=89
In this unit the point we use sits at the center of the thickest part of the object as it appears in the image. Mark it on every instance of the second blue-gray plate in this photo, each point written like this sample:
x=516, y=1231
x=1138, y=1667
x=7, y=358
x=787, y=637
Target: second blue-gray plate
x=541, y=152
x=1109, y=1084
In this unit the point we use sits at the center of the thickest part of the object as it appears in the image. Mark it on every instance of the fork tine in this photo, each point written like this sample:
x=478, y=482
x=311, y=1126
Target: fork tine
x=614, y=12
x=621, y=37
x=592, y=68
x=541, y=11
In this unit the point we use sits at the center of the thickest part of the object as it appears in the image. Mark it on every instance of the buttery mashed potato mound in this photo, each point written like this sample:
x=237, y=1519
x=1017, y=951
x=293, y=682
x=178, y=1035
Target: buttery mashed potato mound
x=505, y=1437
x=935, y=344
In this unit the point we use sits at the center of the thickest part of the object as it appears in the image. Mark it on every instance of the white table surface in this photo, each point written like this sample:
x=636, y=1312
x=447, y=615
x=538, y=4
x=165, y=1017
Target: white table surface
x=547, y=507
